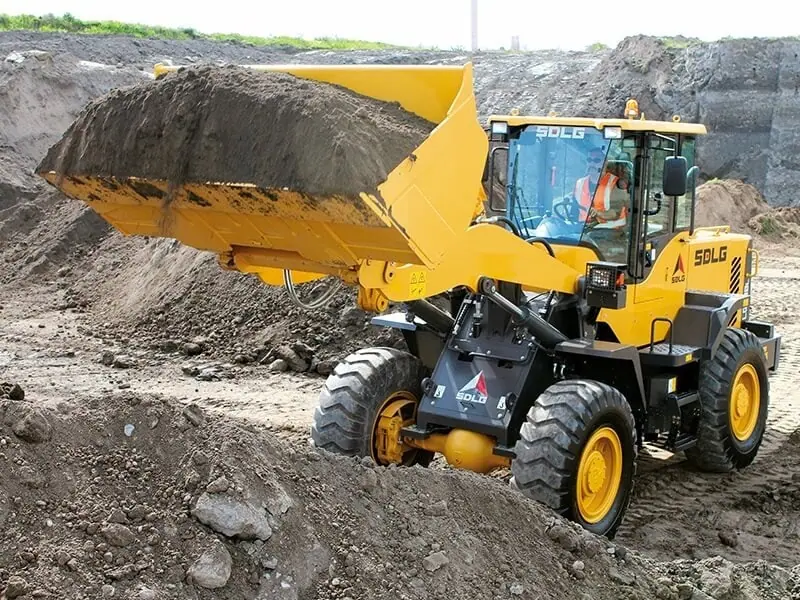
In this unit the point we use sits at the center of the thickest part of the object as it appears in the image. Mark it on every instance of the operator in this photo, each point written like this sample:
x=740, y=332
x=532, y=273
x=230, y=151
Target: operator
x=610, y=192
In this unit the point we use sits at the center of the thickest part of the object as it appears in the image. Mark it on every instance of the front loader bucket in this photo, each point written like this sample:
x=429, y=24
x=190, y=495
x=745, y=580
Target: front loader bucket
x=411, y=216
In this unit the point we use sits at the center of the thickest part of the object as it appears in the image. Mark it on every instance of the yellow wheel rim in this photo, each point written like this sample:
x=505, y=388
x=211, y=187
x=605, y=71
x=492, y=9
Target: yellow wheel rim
x=745, y=402
x=397, y=411
x=599, y=475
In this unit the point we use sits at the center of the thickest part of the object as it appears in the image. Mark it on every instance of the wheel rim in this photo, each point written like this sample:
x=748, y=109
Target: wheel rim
x=599, y=475
x=397, y=411
x=745, y=402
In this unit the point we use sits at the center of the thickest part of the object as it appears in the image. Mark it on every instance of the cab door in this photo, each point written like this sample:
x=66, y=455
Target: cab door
x=658, y=252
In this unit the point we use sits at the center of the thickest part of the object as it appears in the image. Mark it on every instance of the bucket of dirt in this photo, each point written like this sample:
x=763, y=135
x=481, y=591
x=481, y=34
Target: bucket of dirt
x=300, y=167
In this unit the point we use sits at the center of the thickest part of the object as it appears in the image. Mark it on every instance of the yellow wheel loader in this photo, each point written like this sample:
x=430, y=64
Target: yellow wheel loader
x=588, y=315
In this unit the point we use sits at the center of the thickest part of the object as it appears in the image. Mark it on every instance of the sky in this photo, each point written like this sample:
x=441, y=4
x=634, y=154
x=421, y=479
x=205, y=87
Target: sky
x=563, y=24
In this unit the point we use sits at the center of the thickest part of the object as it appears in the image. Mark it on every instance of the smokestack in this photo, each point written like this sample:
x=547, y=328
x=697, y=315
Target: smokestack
x=474, y=25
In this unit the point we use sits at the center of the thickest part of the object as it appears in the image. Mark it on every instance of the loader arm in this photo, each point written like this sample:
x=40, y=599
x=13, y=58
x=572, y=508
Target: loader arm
x=483, y=250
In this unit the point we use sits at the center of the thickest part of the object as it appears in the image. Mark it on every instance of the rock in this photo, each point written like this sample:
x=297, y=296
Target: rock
x=270, y=563
x=352, y=316
x=200, y=341
x=15, y=57
x=117, y=516
x=619, y=577
x=437, y=509
x=293, y=359
x=62, y=557
x=368, y=480
x=685, y=591
x=16, y=587
x=326, y=367
x=123, y=361
x=12, y=391
x=516, y=589
x=107, y=358
x=232, y=517
x=213, y=373
x=435, y=561
x=220, y=484
x=194, y=414
x=168, y=346
x=566, y=537
x=146, y=594
x=278, y=365
x=728, y=538
x=302, y=350
x=118, y=535
x=107, y=591
x=242, y=359
x=137, y=513
x=715, y=577
x=32, y=427
x=213, y=569
x=578, y=565
x=192, y=349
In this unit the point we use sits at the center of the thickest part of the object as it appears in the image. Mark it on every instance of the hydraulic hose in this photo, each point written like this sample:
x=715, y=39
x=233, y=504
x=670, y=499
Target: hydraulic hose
x=322, y=300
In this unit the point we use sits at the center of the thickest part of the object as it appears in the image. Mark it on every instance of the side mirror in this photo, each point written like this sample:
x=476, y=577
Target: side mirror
x=674, y=182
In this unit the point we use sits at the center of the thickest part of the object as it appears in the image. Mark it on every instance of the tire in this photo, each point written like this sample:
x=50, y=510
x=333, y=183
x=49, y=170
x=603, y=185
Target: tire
x=551, y=453
x=354, y=395
x=720, y=449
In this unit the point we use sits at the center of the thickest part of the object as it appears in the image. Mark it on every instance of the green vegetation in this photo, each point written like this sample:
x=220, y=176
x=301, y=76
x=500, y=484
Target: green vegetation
x=679, y=42
x=69, y=24
x=597, y=47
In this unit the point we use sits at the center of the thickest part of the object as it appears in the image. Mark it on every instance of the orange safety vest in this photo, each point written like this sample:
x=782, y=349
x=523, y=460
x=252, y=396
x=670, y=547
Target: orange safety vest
x=601, y=200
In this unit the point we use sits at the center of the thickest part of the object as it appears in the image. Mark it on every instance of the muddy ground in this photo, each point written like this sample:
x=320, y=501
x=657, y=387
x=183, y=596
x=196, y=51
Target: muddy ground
x=161, y=446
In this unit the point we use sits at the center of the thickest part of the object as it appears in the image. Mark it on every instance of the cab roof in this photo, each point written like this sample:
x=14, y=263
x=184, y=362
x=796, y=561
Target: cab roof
x=625, y=124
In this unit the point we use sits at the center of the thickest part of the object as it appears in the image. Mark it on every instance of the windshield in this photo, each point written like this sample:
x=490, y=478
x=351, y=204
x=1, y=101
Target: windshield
x=570, y=185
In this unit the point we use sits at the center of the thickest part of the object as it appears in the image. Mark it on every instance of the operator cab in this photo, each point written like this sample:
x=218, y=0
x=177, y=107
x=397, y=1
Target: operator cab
x=593, y=183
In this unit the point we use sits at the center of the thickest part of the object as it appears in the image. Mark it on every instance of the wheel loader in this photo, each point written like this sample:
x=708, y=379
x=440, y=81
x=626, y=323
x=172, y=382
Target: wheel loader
x=572, y=332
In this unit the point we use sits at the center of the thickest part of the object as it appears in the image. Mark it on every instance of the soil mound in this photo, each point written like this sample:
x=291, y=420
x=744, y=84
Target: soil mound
x=779, y=223
x=238, y=125
x=728, y=202
x=137, y=496
x=163, y=295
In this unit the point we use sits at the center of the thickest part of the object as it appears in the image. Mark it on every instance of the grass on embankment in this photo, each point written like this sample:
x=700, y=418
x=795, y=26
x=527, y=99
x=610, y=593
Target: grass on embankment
x=69, y=24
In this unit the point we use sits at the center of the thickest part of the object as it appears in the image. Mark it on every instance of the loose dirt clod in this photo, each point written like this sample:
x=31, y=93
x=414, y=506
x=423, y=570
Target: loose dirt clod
x=238, y=125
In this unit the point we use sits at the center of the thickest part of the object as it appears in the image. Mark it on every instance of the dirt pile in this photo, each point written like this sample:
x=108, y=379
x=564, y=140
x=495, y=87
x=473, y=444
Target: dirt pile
x=235, y=124
x=41, y=93
x=136, y=496
x=741, y=205
x=782, y=223
x=164, y=295
x=728, y=202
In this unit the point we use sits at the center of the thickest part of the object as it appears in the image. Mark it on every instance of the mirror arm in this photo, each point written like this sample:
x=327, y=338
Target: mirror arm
x=693, y=174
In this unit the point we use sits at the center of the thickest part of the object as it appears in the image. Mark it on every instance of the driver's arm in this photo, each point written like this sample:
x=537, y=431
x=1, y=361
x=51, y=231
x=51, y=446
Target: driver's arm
x=618, y=200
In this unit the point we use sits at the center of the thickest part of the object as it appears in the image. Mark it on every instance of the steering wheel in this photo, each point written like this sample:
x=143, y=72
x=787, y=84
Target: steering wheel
x=567, y=204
